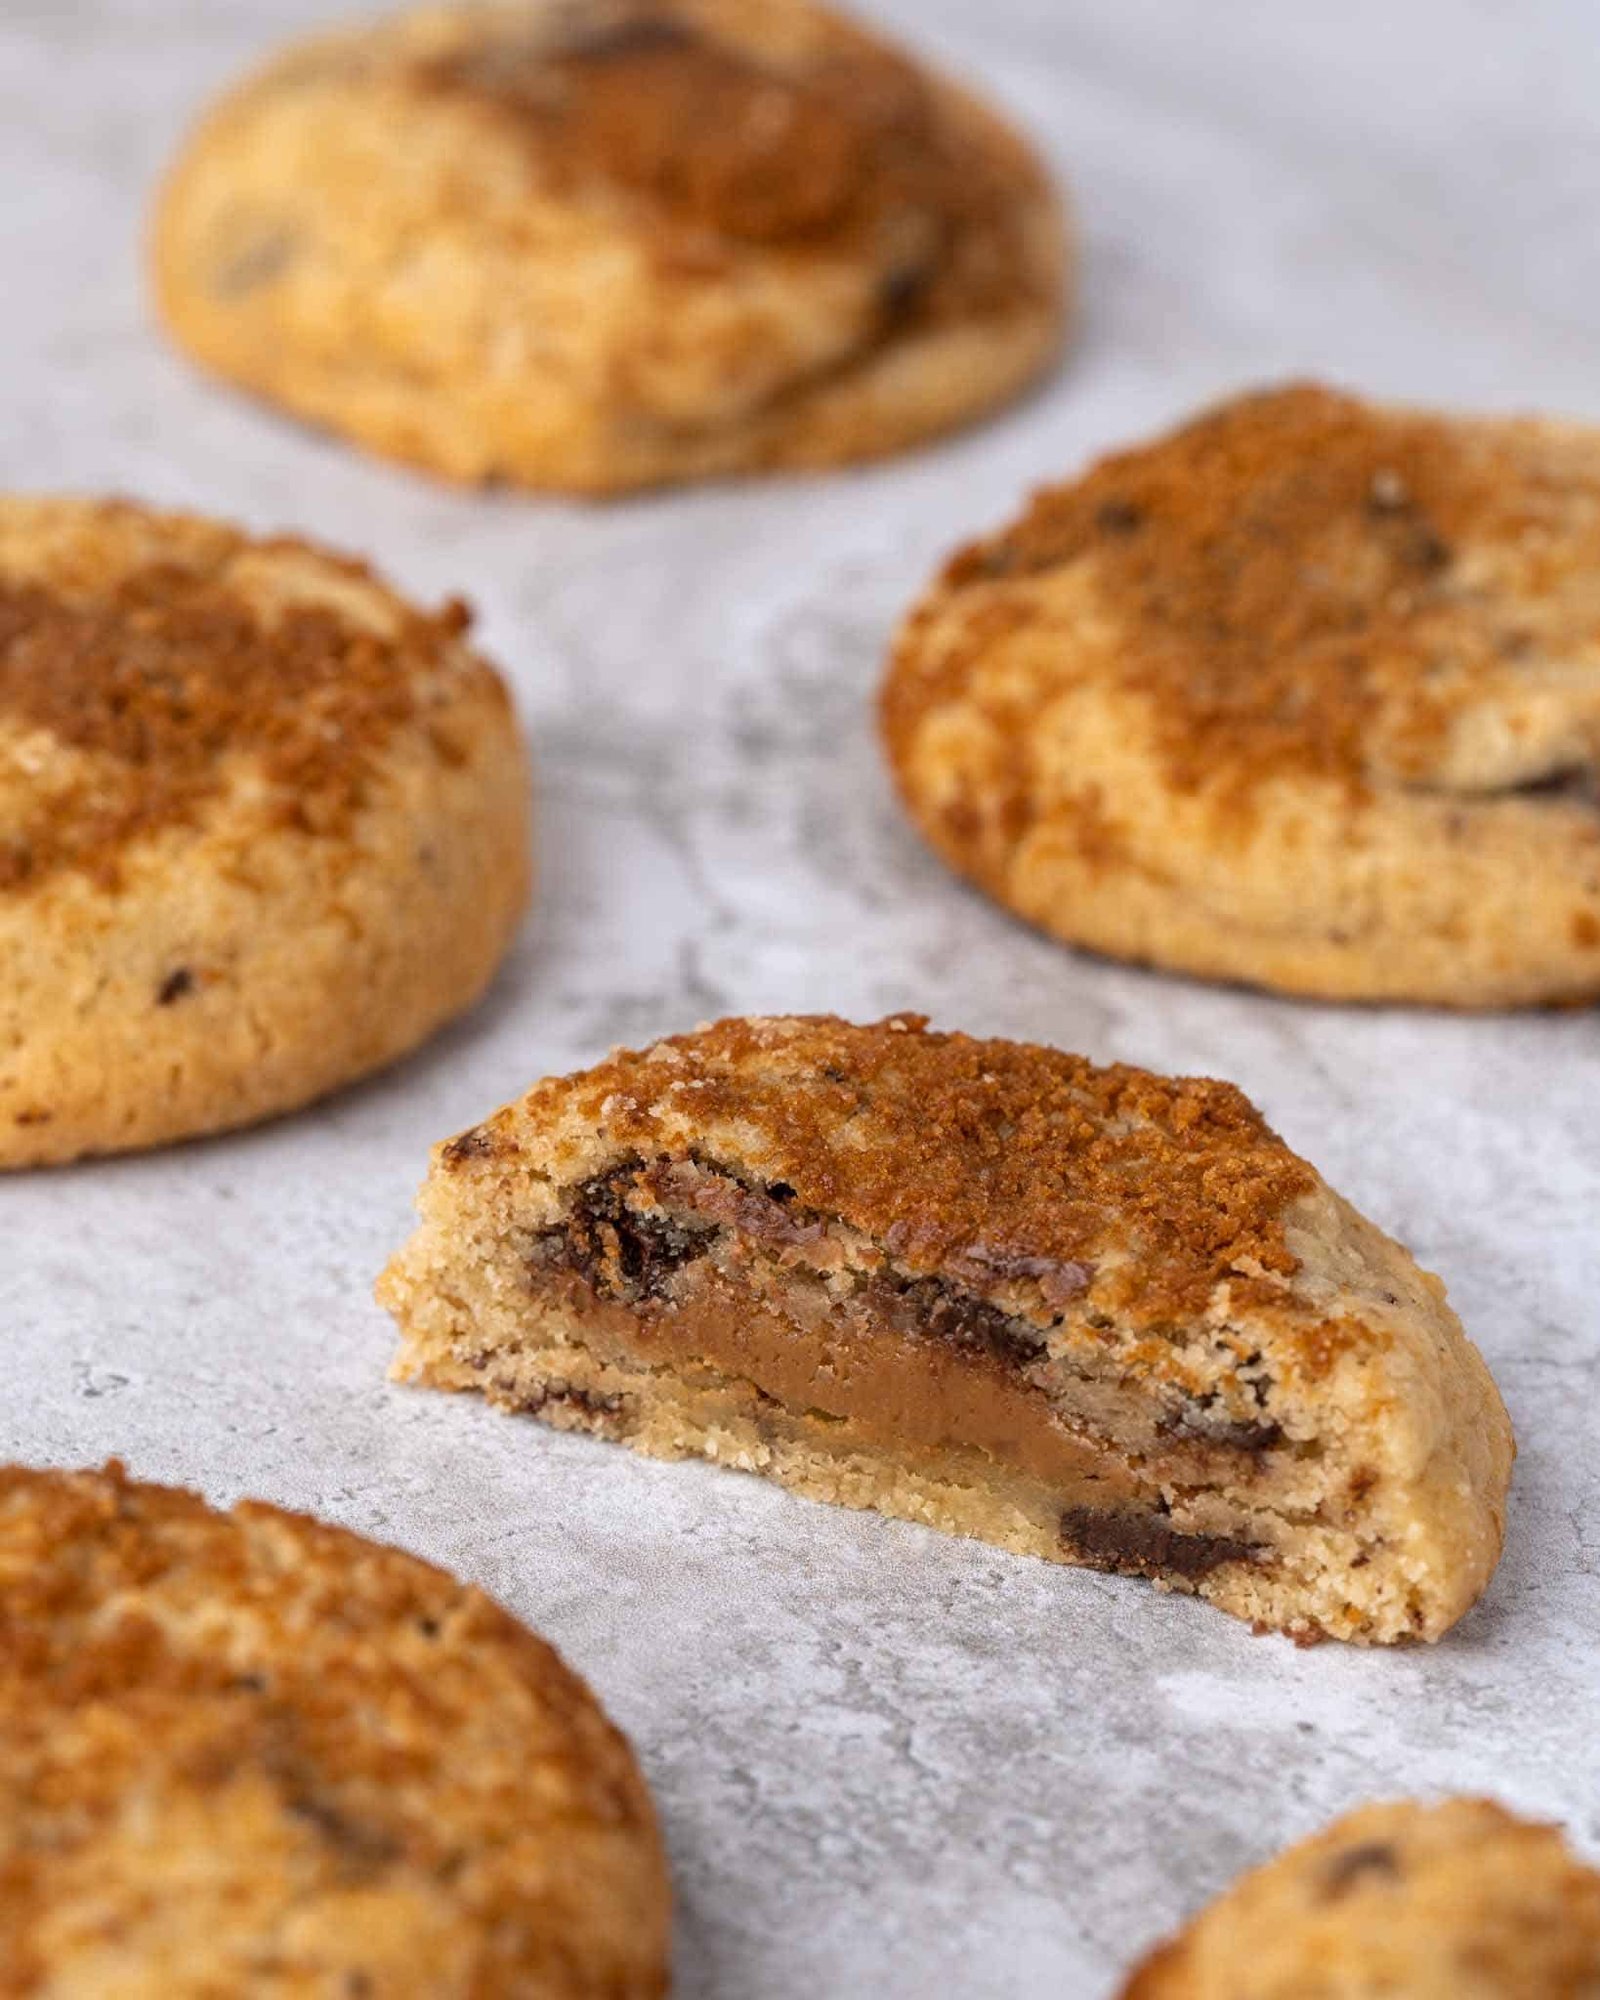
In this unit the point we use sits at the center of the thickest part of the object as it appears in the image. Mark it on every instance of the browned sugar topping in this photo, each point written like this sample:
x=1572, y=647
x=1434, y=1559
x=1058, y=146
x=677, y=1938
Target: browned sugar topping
x=848, y=152
x=166, y=678
x=988, y=1160
x=1284, y=569
x=151, y=1647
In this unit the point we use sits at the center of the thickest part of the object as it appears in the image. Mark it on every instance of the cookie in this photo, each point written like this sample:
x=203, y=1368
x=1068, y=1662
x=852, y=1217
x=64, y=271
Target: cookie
x=249, y=1753
x=1093, y=1315
x=1458, y=1901
x=610, y=244
x=263, y=826
x=1306, y=695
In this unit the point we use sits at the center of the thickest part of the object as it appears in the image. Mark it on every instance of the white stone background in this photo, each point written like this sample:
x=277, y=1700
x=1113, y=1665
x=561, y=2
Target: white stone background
x=888, y=1763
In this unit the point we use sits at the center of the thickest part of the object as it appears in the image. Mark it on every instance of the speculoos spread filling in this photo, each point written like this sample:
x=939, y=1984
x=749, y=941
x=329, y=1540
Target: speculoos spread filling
x=681, y=1263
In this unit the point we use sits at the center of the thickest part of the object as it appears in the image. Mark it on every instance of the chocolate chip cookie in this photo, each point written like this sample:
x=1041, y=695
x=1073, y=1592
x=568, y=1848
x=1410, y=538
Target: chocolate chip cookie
x=1459, y=1901
x=613, y=243
x=263, y=825
x=1094, y=1315
x=1306, y=694
x=248, y=1753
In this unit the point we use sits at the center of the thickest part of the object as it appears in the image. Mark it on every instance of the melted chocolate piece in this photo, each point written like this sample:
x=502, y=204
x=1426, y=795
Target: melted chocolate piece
x=1118, y=517
x=619, y=1252
x=593, y=1402
x=619, y=39
x=630, y=1255
x=942, y=1312
x=1577, y=784
x=1144, y=1545
x=1200, y=1422
x=1372, y=1857
x=175, y=986
x=476, y=1143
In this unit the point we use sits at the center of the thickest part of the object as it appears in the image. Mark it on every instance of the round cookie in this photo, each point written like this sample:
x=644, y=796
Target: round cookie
x=247, y=1752
x=1459, y=1901
x=1306, y=694
x=263, y=826
x=597, y=245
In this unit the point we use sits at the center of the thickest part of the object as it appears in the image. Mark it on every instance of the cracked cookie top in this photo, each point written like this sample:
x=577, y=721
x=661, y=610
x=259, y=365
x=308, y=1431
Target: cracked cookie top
x=359, y=1769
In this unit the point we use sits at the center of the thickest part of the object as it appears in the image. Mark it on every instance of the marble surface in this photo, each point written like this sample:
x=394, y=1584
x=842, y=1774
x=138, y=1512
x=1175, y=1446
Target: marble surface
x=887, y=1762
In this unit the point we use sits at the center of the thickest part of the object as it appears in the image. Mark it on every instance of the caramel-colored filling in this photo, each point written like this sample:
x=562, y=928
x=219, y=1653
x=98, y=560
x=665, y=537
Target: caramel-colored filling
x=687, y=1270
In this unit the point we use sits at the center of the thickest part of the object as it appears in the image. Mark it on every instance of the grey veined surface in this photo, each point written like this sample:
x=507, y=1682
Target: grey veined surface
x=887, y=1763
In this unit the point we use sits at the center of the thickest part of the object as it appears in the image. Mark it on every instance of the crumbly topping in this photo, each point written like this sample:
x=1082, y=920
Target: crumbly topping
x=1404, y=1898
x=846, y=149
x=159, y=1658
x=990, y=1158
x=1296, y=580
x=165, y=678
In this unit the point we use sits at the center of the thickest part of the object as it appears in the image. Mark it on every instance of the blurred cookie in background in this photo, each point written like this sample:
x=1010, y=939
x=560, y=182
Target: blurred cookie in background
x=246, y=1752
x=611, y=244
x=1305, y=694
x=1457, y=1901
x=263, y=825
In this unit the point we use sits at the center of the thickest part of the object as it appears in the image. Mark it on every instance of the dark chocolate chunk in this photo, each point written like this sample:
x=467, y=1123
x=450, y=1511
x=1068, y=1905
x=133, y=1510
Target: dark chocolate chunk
x=1427, y=550
x=614, y=41
x=1199, y=1421
x=363, y=1849
x=1576, y=784
x=1143, y=1545
x=178, y=983
x=901, y=288
x=594, y=1402
x=1118, y=517
x=621, y=1252
x=476, y=1143
x=943, y=1312
x=1372, y=1857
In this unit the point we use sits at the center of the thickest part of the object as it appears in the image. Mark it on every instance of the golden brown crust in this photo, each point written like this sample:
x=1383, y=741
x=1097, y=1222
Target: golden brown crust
x=1458, y=1901
x=240, y=780
x=618, y=243
x=958, y=1151
x=1089, y=1314
x=844, y=151
x=161, y=674
x=1297, y=579
x=1300, y=693
x=250, y=1751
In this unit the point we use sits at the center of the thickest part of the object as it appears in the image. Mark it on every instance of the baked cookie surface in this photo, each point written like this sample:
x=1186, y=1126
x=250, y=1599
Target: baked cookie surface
x=1305, y=694
x=1459, y=1901
x=1088, y=1314
x=263, y=826
x=608, y=244
x=250, y=1753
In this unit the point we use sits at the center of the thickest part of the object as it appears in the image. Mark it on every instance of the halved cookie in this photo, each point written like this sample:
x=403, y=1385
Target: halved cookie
x=1459, y=1901
x=1088, y=1314
x=1305, y=694
x=606, y=244
x=263, y=825
x=247, y=1753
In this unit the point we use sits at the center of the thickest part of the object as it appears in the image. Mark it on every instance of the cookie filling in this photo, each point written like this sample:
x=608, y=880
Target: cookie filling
x=685, y=1266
